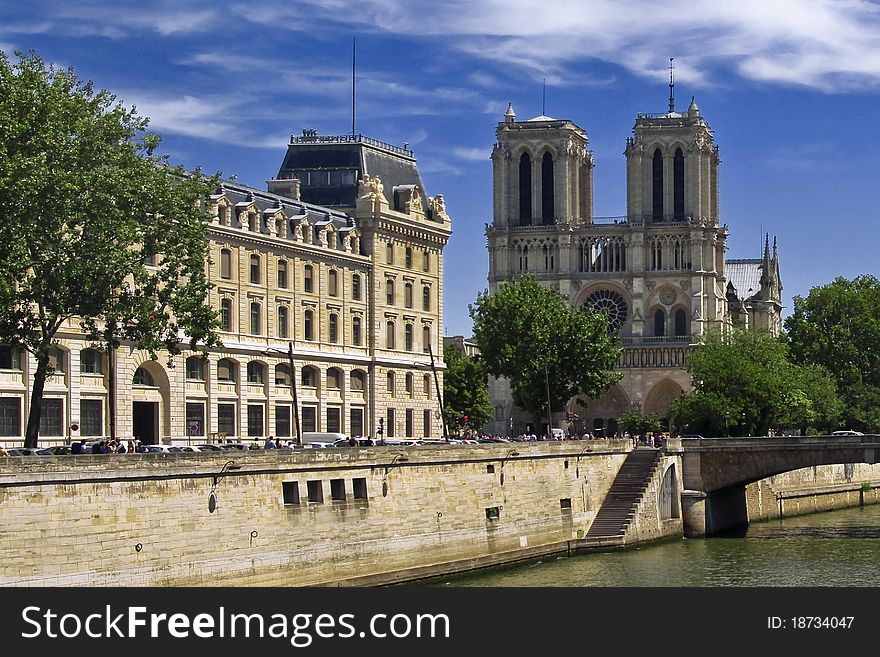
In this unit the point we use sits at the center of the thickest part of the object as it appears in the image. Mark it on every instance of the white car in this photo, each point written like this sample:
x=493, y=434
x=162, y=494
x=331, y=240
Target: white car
x=847, y=432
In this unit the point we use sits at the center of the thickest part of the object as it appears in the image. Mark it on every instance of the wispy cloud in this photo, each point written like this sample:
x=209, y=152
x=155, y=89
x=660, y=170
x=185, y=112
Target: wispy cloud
x=477, y=154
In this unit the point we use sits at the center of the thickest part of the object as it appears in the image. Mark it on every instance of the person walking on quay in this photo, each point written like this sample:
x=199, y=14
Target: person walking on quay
x=269, y=444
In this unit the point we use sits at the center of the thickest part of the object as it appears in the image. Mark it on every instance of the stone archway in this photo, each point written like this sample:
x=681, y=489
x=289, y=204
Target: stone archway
x=599, y=416
x=150, y=402
x=661, y=395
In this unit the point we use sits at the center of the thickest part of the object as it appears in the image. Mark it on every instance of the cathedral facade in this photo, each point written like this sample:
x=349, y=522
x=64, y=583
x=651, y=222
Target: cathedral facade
x=659, y=271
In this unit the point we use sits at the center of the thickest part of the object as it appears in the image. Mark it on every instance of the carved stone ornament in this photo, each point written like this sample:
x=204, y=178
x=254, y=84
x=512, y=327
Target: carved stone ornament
x=628, y=284
x=684, y=285
x=370, y=187
x=650, y=285
x=415, y=202
x=667, y=296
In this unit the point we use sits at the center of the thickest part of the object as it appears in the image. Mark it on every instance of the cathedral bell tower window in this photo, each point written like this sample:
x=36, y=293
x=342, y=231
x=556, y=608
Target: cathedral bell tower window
x=525, y=190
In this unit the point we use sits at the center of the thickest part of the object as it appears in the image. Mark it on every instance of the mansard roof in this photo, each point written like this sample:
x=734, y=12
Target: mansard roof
x=269, y=203
x=744, y=274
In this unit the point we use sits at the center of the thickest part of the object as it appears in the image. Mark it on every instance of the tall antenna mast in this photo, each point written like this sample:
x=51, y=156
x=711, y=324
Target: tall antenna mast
x=353, y=68
x=544, y=98
x=671, y=86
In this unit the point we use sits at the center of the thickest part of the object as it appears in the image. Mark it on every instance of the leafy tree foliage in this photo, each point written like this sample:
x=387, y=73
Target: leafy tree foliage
x=86, y=204
x=744, y=384
x=638, y=423
x=531, y=335
x=838, y=326
x=465, y=391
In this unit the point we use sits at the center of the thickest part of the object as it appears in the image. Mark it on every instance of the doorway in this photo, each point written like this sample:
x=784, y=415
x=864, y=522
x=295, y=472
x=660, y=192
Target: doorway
x=145, y=422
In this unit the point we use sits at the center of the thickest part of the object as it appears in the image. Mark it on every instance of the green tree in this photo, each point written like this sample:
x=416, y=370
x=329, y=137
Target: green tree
x=86, y=206
x=465, y=390
x=838, y=326
x=638, y=423
x=531, y=335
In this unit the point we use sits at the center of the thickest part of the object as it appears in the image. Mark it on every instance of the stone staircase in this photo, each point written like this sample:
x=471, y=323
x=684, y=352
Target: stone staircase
x=626, y=492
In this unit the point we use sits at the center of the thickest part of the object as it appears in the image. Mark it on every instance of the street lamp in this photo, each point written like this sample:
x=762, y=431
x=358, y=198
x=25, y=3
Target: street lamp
x=504, y=460
x=727, y=422
x=577, y=467
x=212, y=497
x=398, y=458
x=289, y=352
x=743, y=426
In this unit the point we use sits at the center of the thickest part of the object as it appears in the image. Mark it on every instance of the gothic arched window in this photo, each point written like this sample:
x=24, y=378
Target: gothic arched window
x=657, y=182
x=525, y=190
x=612, y=304
x=548, y=212
x=659, y=322
x=680, y=323
x=678, y=185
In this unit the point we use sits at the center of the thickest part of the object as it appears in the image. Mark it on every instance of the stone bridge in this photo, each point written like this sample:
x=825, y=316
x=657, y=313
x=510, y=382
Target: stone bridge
x=715, y=471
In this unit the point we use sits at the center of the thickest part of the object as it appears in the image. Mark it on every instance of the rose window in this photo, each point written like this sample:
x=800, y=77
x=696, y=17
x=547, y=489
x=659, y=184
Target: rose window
x=612, y=304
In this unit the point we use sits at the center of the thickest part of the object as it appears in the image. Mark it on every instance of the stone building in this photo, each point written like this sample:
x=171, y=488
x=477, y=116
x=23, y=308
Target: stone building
x=340, y=263
x=659, y=271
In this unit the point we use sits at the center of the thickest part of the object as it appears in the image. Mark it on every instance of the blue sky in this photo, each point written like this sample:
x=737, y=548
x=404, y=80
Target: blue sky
x=790, y=88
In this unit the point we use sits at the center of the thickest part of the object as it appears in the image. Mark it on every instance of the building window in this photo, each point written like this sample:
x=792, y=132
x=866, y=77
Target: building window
x=525, y=190
x=10, y=357
x=226, y=419
x=356, y=287
x=282, y=322
x=316, y=490
x=255, y=318
x=10, y=416
x=358, y=381
x=332, y=289
x=408, y=257
x=51, y=417
x=255, y=372
x=308, y=325
x=226, y=370
x=255, y=414
x=359, y=487
x=282, y=375
x=282, y=420
x=334, y=379
x=678, y=185
x=426, y=298
x=426, y=423
x=226, y=314
x=389, y=334
x=426, y=385
x=547, y=205
x=91, y=362
x=426, y=339
x=657, y=182
x=309, y=377
x=334, y=422
x=308, y=273
x=309, y=418
x=195, y=368
x=408, y=295
x=225, y=263
x=282, y=274
x=426, y=260
x=408, y=337
x=659, y=323
x=408, y=382
x=389, y=292
x=255, y=269
x=290, y=492
x=409, y=421
x=337, y=489
x=91, y=417
x=389, y=383
x=680, y=323
x=389, y=253
x=333, y=328
x=57, y=360
x=356, y=418
x=390, y=422
x=356, y=331
x=142, y=378
x=195, y=419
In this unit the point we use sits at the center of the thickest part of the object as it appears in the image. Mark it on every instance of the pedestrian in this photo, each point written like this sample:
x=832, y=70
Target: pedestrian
x=270, y=443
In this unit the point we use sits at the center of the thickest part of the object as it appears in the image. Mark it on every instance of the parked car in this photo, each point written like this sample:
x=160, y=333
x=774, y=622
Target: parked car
x=209, y=448
x=55, y=450
x=162, y=449
x=23, y=451
x=847, y=432
x=359, y=442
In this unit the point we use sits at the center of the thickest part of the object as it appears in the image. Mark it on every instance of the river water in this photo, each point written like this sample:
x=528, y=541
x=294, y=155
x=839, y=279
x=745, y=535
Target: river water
x=836, y=548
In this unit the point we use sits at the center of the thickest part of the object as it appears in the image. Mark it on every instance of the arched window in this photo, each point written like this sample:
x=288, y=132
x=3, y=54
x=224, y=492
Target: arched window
x=426, y=385
x=58, y=359
x=226, y=370
x=389, y=253
x=282, y=322
x=334, y=379
x=91, y=361
x=678, y=185
x=195, y=368
x=408, y=295
x=356, y=287
x=309, y=378
x=358, y=381
x=225, y=263
x=408, y=257
x=426, y=298
x=680, y=323
x=408, y=382
x=255, y=268
x=389, y=383
x=256, y=322
x=659, y=322
x=308, y=325
x=282, y=374
x=308, y=273
x=548, y=211
x=389, y=292
x=142, y=378
x=333, y=328
x=226, y=314
x=525, y=190
x=255, y=372
x=426, y=338
x=408, y=337
x=332, y=289
x=426, y=260
x=356, y=331
x=657, y=189
x=389, y=334
x=282, y=274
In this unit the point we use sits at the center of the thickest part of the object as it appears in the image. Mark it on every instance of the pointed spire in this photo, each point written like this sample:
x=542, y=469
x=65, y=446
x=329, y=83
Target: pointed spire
x=766, y=252
x=671, y=88
x=693, y=110
x=509, y=115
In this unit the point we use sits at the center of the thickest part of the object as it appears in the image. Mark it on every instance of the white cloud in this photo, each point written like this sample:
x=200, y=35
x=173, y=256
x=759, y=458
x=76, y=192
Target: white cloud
x=478, y=154
x=115, y=21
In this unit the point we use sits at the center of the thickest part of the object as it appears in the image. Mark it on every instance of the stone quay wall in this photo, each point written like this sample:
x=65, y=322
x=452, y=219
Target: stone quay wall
x=809, y=490
x=282, y=518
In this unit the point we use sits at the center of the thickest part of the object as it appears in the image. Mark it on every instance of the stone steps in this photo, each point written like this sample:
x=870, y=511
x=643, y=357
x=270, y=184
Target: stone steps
x=621, y=503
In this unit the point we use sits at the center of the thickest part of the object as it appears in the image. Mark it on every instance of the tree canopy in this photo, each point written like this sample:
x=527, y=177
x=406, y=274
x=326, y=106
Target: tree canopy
x=465, y=390
x=837, y=326
x=532, y=335
x=97, y=228
x=744, y=384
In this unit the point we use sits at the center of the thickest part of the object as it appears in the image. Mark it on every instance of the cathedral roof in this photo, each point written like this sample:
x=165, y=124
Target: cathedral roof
x=745, y=276
x=543, y=117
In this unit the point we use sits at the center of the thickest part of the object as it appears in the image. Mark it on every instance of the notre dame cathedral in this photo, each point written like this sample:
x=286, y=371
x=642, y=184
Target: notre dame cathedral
x=659, y=272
